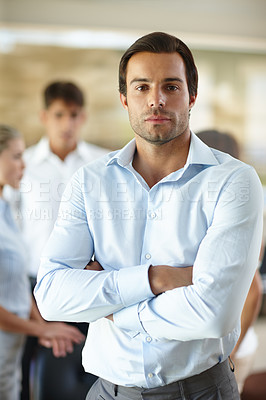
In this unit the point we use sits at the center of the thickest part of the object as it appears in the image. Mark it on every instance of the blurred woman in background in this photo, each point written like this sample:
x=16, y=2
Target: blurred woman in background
x=19, y=315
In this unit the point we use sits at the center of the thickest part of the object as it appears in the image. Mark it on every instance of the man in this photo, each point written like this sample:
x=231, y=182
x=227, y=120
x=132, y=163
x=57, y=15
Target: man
x=142, y=217
x=49, y=165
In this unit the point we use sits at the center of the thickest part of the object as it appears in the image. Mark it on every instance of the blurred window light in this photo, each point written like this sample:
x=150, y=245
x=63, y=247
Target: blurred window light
x=119, y=40
x=64, y=38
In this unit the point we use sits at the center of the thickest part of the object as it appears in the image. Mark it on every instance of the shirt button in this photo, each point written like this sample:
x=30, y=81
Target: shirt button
x=150, y=375
x=152, y=215
x=148, y=339
x=147, y=256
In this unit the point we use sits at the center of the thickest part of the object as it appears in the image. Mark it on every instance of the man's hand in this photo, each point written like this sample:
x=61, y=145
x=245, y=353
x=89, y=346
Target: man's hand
x=94, y=266
x=164, y=277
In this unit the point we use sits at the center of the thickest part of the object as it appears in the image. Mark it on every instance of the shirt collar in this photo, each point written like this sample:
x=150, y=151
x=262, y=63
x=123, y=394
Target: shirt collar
x=82, y=150
x=3, y=205
x=199, y=153
x=43, y=152
x=124, y=156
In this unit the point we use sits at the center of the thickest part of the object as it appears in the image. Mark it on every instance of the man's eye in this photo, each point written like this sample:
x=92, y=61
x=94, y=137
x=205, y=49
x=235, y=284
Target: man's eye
x=58, y=115
x=17, y=156
x=141, y=88
x=172, y=88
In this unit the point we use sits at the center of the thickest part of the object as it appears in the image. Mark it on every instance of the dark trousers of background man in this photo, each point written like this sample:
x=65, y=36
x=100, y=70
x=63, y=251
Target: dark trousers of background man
x=45, y=377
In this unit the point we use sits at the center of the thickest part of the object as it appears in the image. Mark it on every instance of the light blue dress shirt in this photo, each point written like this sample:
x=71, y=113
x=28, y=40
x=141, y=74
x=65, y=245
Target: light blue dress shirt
x=15, y=294
x=207, y=214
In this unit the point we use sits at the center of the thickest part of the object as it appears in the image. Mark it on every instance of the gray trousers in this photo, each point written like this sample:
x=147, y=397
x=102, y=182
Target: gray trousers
x=217, y=383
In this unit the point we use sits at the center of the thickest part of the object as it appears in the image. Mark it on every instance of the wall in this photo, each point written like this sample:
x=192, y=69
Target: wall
x=231, y=93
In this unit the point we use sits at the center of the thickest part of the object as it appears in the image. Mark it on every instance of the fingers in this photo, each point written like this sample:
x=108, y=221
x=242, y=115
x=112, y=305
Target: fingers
x=45, y=342
x=62, y=331
x=69, y=346
x=73, y=334
x=61, y=347
x=61, y=337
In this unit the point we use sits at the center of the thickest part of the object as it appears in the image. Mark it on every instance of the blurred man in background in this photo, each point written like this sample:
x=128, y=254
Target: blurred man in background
x=51, y=163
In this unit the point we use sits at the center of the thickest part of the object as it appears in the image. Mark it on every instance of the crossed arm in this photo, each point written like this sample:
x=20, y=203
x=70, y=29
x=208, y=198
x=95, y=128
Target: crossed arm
x=161, y=277
x=158, y=299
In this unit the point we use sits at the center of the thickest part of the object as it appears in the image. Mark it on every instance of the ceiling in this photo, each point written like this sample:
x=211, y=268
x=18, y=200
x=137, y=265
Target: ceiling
x=227, y=24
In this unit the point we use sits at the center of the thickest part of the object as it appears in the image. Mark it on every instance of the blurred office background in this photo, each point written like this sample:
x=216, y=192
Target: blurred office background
x=83, y=40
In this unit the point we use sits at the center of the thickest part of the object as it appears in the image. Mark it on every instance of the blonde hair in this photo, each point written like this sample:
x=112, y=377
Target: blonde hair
x=7, y=133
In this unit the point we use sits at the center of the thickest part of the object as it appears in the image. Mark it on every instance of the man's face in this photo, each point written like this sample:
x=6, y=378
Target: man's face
x=63, y=122
x=157, y=100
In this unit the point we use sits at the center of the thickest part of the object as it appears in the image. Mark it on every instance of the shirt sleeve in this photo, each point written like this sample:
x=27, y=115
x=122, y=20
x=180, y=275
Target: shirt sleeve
x=223, y=270
x=67, y=292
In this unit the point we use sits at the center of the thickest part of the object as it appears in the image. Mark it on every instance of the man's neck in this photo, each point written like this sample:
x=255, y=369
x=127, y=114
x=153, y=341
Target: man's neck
x=62, y=152
x=155, y=162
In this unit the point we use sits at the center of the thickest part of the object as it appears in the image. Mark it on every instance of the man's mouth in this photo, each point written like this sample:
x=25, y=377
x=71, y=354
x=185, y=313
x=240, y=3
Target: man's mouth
x=66, y=135
x=157, y=119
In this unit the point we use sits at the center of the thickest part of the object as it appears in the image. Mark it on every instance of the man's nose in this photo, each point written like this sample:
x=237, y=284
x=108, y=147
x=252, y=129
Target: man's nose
x=156, y=99
x=23, y=164
x=68, y=122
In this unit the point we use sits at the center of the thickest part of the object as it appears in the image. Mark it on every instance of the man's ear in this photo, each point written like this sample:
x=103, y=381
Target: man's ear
x=192, y=101
x=123, y=100
x=83, y=116
x=43, y=116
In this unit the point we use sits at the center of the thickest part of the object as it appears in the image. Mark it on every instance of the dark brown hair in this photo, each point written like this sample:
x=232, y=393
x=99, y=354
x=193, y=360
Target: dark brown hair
x=66, y=91
x=160, y=42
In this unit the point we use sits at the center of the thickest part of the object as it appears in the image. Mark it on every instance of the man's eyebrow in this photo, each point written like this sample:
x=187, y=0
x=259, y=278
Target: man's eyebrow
x=175, y=79
x=135, y=80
